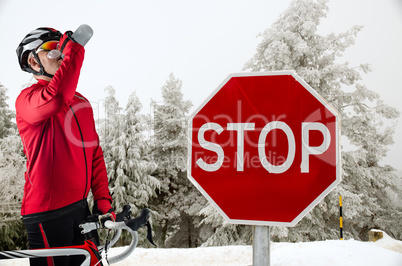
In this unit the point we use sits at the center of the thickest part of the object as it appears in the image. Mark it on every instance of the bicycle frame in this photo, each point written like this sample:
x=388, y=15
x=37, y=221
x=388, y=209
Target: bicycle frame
x=89, y=249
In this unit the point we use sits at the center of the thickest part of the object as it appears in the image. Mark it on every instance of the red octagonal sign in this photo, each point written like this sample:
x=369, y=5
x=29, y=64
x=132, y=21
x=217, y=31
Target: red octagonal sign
x=264, y=148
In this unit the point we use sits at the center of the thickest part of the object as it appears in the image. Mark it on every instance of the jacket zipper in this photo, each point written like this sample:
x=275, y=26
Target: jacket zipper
x=85, y=157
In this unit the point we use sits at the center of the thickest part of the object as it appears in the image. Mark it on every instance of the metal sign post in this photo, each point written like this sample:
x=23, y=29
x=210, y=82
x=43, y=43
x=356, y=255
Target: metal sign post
x=261, y=245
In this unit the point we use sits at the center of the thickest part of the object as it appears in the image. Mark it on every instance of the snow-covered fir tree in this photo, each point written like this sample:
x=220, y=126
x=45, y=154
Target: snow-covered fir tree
x=126, y=153
x=178, y=201
x=108, y=131
x=369, y=190
x=12, y=168
x=6, y=114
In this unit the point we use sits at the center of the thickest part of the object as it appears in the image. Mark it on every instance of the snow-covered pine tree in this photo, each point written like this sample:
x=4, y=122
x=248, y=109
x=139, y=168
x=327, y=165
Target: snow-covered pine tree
x=108, y=130
x=224, y=233
x=127, y=154
x=110, y=126
x=178, y=200
x=12, y=167
x=6, y=115
x=369, y=190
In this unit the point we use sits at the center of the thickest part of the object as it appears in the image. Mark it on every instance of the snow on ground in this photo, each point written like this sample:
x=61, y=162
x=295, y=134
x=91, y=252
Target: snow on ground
x=384, y=252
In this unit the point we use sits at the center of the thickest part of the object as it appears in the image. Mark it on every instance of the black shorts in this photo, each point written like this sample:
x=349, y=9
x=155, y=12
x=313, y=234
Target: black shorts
x=57, y=228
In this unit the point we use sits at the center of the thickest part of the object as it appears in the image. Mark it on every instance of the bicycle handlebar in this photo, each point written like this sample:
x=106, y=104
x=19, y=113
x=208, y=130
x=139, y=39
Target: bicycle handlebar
x=123, y=221
x=134, y=240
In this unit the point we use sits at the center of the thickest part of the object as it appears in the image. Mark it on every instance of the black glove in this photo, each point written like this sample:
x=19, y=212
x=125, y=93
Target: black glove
x=64, y=40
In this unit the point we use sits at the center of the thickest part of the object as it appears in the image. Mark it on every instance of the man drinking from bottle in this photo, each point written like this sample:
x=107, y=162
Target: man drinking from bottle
x=64, y=159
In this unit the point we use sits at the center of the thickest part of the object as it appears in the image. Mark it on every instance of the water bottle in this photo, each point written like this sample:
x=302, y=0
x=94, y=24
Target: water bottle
x=82, y=34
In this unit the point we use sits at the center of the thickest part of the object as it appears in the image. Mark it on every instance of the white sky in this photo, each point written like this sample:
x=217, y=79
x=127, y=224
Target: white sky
x=137, y=44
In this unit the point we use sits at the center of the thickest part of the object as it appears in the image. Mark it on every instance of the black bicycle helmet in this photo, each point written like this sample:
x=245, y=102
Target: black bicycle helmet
x=29, y=44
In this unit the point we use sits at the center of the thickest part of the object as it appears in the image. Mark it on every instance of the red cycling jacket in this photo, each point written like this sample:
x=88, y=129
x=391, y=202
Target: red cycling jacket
x=57, y=129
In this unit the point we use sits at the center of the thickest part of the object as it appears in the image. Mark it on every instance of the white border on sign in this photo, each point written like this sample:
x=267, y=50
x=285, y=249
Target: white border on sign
x=318, y=199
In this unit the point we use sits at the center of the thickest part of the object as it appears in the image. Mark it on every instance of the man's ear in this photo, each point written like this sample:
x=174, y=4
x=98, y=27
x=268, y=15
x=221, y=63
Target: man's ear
x=34, y=64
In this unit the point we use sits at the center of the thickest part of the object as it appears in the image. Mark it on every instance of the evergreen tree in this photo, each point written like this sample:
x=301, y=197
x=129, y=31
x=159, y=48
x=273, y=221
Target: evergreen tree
x=108, y=131
x=6, y=115
x=292, y=43
x=12, y=166
x=178, y=201
x=110, y=126
x=127, y=154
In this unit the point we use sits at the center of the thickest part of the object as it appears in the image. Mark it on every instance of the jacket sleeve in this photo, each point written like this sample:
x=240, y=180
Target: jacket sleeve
x=37, y=105
x=100, y=183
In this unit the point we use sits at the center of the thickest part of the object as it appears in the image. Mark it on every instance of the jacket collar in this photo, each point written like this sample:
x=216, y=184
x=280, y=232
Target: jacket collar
x=42, y=82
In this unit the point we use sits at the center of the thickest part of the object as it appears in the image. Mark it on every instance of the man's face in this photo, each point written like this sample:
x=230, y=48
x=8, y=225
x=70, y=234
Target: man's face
x=50, y=65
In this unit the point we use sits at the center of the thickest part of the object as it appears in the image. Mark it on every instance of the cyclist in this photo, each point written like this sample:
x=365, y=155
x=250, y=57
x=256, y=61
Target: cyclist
x=64, y=159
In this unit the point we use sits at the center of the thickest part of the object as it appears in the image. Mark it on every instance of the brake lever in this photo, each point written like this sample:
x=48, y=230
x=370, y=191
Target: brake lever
x=149, y=233
x=124, y=214
x=142, y=220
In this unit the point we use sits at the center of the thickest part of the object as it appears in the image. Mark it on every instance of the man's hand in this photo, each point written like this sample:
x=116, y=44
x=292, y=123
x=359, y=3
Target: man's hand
x=64, y=40
x=104, y=207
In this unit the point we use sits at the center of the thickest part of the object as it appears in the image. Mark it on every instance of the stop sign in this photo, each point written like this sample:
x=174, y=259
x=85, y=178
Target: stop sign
x=264, y=148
